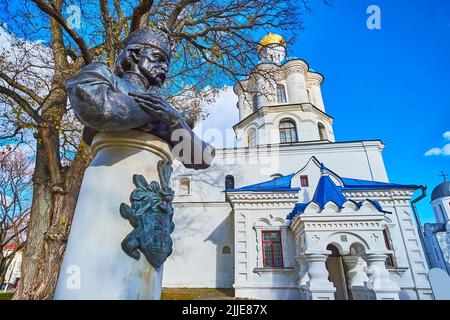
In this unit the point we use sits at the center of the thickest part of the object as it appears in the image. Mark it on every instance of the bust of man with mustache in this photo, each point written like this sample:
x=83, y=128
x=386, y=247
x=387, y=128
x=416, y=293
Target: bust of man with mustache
x=129, y=98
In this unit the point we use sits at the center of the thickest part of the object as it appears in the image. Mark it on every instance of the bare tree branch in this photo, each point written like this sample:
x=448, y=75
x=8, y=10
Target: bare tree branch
x=21, y=87
x=176, y=12
x=139, y=12
x=59, y=18
x=21, y=102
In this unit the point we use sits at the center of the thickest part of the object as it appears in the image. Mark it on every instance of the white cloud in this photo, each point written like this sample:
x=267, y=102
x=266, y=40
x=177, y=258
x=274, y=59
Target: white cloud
x=217, y=128
x=444, y=151
x=433, y=152
x=446, y=135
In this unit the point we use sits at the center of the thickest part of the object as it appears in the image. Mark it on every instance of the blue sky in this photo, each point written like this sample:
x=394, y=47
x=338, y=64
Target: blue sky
x=391, y=84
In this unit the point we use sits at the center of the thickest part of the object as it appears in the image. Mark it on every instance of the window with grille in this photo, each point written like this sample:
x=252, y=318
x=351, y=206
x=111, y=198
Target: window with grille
x=272, y=251
x=281, y=94
x=288, y=132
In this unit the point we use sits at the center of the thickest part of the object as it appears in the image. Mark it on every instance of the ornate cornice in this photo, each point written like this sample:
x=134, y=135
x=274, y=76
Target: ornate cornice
x=305, y=107
x=294, y=66
x=305, y=147
x=391, y=197
x=394, y=192
x=254, y=200
x=314, y=79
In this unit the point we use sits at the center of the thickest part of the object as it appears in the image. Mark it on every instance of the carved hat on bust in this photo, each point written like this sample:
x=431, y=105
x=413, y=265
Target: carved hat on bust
x=149, y=37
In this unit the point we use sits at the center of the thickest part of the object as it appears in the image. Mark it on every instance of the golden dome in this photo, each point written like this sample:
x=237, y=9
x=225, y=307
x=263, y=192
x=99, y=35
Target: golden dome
x=271, y=38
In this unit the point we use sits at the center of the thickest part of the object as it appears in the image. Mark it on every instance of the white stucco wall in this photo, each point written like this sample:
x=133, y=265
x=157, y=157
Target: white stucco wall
x=412, y=269
x=204, y=220
x=252, y=280
x=201, y=232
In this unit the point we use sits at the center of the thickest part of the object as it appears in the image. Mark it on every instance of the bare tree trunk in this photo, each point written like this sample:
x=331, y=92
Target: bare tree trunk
x=3, y=269
x=55, y=189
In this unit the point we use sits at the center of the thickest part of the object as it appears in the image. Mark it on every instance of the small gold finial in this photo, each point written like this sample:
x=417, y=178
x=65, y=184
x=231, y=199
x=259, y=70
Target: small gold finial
x=271, y=38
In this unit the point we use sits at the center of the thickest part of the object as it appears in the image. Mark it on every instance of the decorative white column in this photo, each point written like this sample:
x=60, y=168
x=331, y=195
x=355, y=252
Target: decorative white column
x=318, y=287
x=295, y=71
x=356, y=273
x=314, y=81
x=357, y=278
x=303, y=277
x=379, y=280
x=95, y=266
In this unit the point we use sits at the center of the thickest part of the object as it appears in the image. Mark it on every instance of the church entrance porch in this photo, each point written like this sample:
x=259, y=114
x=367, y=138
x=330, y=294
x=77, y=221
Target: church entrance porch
x=341, y=253
x=337, y=274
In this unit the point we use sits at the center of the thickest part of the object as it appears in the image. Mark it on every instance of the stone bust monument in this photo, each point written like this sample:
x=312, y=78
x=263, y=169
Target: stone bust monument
x=129, y=98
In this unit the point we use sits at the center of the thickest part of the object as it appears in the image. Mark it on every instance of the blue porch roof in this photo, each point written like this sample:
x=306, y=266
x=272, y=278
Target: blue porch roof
x=284, y=184
x=350, y=184
x=279, y=184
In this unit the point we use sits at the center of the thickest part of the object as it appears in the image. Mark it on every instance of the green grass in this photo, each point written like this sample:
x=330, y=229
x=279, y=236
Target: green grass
x=6, y=295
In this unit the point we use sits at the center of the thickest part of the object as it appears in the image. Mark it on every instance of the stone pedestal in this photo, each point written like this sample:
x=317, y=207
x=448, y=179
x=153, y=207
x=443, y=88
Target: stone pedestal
x=303, y=277
x=318, y=287
x=379, y=282
x=95, y=266
x=356, y=273
x=356, y=277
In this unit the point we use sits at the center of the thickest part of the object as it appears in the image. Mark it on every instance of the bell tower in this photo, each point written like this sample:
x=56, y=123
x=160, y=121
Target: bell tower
x=281, y=100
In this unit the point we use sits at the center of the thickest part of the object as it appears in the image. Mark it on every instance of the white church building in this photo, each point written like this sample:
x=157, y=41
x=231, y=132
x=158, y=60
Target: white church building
x=437, y=235
x=291, y=213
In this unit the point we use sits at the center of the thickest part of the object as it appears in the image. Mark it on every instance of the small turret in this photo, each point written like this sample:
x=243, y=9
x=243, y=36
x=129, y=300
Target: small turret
x=272, y=48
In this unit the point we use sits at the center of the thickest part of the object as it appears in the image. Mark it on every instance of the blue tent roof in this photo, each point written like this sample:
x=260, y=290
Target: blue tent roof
x=279, y=184
x=327, y=191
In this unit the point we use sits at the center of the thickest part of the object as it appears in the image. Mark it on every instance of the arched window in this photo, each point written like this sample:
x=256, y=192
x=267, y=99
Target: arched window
x=226, y=250
x=281, y=94
x=390, y=261
x=255, y=102
x=185, y=186
x=229, y=182
x=288, y=132
x=251, y=138
x=443, y=219
x=322, y=131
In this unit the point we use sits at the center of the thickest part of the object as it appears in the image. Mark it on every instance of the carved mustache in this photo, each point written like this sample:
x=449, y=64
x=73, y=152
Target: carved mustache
x=159, y=73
